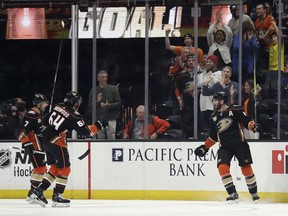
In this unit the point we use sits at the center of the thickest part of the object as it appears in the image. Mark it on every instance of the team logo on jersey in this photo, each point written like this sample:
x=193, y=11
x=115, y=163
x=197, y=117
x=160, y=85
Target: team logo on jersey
x=117, y=155
x=5, y=158
x=224, y=124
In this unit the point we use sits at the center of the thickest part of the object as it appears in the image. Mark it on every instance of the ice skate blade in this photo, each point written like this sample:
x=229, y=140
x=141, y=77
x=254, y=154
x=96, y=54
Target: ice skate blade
x=256, y=201
x=231, y=202
x=38, y=201
x=60, y=205
x=30, y=200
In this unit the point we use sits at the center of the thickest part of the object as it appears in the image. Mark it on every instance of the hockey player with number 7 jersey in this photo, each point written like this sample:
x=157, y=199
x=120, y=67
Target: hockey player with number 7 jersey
x=60, y=121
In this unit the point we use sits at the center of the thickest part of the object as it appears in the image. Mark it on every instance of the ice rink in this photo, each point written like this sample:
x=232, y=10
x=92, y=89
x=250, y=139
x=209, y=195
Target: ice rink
x=143, y=208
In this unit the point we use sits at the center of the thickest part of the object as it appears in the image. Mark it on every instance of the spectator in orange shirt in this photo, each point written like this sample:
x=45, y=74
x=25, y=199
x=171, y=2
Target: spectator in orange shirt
x=188, y=41
x=262, y=24
x=135, y=127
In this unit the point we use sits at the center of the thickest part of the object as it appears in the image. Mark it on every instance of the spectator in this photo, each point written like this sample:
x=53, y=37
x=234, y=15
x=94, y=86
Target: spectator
x=188, y=41
x=179, y=64
x=225, y=85
x=108, y=104
x=9, y=120
x=4, y=132
x=271, y=39
x=185, y=94
x=21, y=109
x=211, y=75
x=203, y=63
x=219, y=40
x=234, y=21
x=249, y=97
x=262, y=24
x=134, y=129
x=249, y=48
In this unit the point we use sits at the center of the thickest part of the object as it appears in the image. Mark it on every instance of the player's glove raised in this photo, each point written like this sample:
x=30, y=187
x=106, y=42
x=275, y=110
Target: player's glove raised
x=28, y=148
x=101, y=124
x=201, y=150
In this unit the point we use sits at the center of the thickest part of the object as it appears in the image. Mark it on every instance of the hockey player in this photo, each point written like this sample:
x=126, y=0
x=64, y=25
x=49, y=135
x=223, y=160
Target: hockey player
x=62, y=119
x=225, y=128
x=30, y=137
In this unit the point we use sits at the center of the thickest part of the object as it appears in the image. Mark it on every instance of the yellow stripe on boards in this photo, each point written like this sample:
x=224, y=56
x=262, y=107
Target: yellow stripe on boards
x=151, y=195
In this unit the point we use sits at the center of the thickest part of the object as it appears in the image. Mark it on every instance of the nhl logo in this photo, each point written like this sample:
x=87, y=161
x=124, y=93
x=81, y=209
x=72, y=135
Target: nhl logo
x=5, y=158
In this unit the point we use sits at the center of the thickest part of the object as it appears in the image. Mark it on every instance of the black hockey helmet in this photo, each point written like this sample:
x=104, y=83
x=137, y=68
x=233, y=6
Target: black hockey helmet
x=38, y=98
x=221, y=96
x=72, y=97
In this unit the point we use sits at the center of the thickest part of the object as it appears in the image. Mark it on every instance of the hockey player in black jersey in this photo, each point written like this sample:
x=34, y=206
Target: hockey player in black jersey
x=226, y=128
x=30, y=137
x=61, y=120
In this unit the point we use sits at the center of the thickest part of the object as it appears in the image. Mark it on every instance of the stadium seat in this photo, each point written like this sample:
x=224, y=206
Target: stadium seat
x=268, y=125
x=175, y=121
x=172, y=134
x=268, y=106
x=163, y=111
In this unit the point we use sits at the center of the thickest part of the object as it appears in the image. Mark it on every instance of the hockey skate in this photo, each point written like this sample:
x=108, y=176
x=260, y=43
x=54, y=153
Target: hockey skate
x=233, y=198
x=38, y=196
x=59, y=201
x=255, y=197
x=29, y=199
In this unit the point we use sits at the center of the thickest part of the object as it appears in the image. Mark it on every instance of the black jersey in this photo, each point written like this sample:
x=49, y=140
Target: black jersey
x=226, y=127
x=32, y=128
x=185, y=85
x=62, y=120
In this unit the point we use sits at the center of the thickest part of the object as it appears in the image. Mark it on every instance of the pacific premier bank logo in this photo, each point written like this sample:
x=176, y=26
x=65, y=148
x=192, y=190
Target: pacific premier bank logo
x=117, y=155
x=280, y=161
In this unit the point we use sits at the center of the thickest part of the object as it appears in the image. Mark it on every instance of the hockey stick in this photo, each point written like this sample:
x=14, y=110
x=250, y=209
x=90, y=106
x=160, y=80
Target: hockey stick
x=57, y=67
x=81, y=157
x=85, y=154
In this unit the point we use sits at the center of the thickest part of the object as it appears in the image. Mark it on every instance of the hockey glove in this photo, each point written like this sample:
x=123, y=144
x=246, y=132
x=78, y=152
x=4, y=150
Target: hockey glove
x=201, y=150
x=101, y=124
x=28, y=148
x=257, y=128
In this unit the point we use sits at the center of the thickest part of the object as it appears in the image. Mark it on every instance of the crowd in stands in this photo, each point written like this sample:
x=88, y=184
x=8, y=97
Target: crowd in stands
x=220, y=70
x=217, y=70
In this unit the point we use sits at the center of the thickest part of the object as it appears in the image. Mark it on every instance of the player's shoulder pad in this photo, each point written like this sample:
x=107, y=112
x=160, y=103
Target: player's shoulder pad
x=235, y=108
x=213, y=114
x=31, y=112
x=76, y=115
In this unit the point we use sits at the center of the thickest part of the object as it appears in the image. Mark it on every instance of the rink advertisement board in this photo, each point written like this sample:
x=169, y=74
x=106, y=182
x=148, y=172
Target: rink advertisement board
x=162, y=167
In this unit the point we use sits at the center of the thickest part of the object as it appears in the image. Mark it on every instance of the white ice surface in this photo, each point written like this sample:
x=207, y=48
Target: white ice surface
x=15, y=207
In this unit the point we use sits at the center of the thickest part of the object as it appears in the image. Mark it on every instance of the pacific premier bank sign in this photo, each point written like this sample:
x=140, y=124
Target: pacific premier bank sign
x=122, y=22
x=176, y=161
